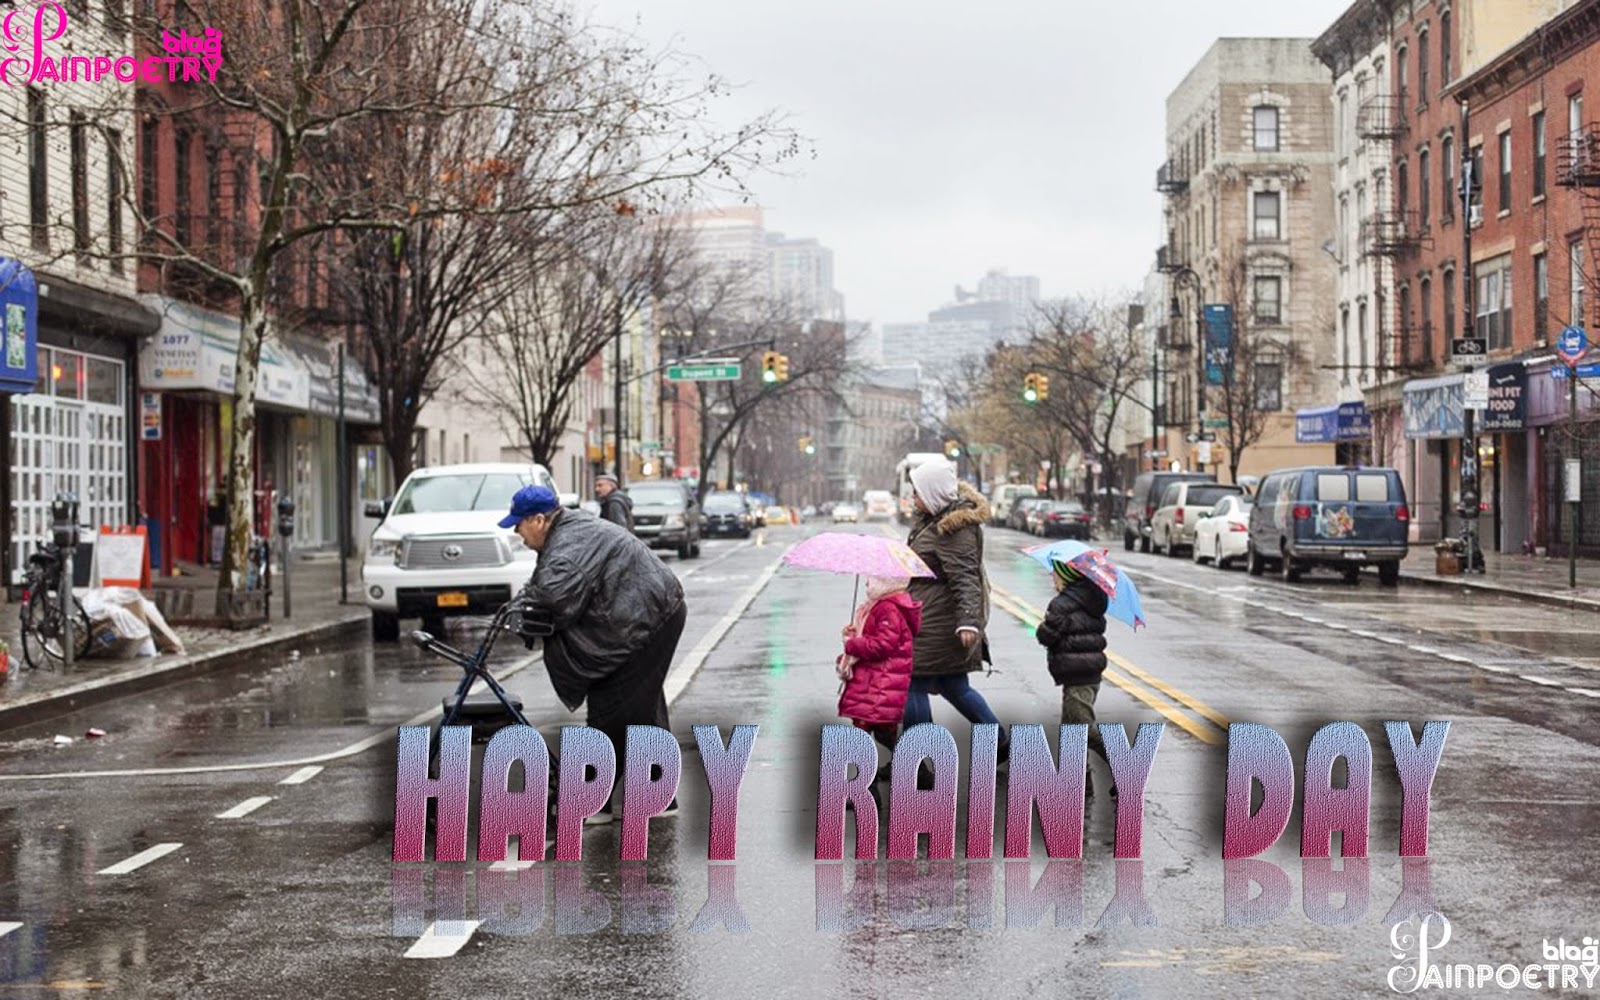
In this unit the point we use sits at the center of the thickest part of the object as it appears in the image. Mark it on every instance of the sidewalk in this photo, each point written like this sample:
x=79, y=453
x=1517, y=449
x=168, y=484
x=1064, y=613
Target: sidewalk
x=1538, y=579
x=33, y=695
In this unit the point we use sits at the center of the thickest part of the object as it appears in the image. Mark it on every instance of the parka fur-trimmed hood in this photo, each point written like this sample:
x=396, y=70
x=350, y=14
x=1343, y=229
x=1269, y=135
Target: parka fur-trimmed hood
x=969, y=508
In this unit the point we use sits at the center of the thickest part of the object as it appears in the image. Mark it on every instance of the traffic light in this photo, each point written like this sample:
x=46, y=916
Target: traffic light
x=769, y=367
x=783, y=368
x=1030, y=388
x=952, y=449
x=808, y=446
x=1042, y=383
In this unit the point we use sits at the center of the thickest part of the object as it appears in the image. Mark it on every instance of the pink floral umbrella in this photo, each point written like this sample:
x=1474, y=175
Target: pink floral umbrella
x=862, y=555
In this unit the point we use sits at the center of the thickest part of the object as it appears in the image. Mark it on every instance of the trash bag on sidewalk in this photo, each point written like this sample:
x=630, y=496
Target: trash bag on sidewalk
x=123, y=625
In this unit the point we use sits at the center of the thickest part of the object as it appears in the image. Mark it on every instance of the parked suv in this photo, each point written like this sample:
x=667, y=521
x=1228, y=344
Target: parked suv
x=438, y=549
x=1182, y=506
x=1342, y=518
x=1148, y=489
x=666, y=516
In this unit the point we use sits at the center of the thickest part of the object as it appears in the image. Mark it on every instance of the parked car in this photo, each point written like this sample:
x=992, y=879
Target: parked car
x=1181, y=508
x=846, y=513
x=1003, y=497
x=1342, y=518
x=438, y=549
x=666, y=516
x=1060, y=519
x=727, y=513
x=777, y=514
x=880, y=505
x=1145, y=497
x=1017, y=518
x=807, y=512
x=1221, y=536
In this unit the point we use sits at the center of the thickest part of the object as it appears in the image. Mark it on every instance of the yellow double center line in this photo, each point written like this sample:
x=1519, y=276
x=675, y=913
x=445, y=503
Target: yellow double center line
x=1187, y=712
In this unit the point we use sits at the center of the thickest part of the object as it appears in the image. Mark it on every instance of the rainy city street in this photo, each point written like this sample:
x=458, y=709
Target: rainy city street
x=231, y=836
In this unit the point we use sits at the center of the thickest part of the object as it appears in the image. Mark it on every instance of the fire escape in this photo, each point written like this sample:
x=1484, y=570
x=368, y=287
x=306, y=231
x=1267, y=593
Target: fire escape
x=1578, y=167
x=1387, y=235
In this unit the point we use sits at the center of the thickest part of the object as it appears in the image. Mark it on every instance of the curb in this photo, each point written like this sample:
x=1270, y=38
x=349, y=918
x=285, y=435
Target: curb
x=1548, y=599
x=48, y=705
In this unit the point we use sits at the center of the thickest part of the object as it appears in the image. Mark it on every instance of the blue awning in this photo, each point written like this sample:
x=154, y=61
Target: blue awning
x=1331, y=424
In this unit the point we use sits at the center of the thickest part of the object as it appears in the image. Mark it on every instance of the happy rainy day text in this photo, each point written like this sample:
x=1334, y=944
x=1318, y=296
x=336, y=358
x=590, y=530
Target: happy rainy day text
x=1039, y=783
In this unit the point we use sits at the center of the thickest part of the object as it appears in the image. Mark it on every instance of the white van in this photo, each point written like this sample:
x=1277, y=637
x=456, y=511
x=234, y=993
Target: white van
x=1004, y=496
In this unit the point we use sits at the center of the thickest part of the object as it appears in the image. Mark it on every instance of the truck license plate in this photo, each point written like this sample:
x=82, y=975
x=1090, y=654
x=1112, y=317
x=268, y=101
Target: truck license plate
x=1355, y=555
x=452, y=600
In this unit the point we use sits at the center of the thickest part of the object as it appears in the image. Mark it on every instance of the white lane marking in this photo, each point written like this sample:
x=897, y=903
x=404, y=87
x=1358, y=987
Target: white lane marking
x=1453, y=658
x=302, y=776
x=435, y=945
x=1492, y=668
x=683, y=673
x=1586, y=692
x=245, y=808
x=7, y=926
x=1547, y=682
x=139, y=860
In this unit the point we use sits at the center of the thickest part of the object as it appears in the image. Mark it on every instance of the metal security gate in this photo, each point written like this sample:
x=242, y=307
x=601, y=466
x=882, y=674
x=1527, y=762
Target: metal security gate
x=68, y=437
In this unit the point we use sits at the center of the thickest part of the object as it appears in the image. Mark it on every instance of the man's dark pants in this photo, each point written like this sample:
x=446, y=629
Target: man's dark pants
x=634, y=695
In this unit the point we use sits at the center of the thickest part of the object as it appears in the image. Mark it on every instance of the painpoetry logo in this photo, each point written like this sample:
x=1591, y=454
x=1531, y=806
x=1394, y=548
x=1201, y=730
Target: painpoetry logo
x=29, y=57
x=1418, y=944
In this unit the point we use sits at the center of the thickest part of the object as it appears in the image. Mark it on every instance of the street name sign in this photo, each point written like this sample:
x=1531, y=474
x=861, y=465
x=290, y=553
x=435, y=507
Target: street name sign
x=1572, y=345
x=703, y=373
x=1591, y=370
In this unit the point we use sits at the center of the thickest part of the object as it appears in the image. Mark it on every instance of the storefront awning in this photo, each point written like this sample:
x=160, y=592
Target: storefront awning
x=1334, y=423
x=322, y=361
x=1432, y=407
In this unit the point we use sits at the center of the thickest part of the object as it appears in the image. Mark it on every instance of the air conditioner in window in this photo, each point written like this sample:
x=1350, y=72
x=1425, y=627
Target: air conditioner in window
x=1475, y=216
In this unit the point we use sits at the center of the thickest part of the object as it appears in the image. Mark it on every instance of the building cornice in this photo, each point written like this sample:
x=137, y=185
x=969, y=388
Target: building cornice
x=1558, y=38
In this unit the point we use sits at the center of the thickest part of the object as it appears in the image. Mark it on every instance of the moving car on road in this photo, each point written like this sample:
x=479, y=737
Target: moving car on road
x=1342, y=518
x=879, y=505
x=438, y=549
x=1182, y=506
x=846, y=513
x=665, y=516
x=1148, y=489
x=1060, y=519
x=727, y=513
x=1222, y=535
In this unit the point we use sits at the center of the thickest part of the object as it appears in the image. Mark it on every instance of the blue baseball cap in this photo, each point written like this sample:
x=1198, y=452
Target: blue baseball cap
x=528, y=501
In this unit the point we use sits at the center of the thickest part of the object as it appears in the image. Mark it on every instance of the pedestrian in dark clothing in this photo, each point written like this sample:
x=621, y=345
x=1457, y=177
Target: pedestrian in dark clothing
x=1074, y=633
x=948, y=535
x=615, y=505
x=616, y=612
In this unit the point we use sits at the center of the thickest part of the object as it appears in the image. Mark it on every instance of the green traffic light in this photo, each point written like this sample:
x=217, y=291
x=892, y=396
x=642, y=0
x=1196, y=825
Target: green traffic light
x=1030, y=395
x=769, y=376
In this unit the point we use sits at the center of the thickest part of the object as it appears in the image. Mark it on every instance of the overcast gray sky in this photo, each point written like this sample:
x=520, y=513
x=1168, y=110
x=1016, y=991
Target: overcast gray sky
x=954, y=136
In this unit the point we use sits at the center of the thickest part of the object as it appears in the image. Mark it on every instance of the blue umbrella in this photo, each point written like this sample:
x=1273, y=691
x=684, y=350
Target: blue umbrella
x=1122, y=597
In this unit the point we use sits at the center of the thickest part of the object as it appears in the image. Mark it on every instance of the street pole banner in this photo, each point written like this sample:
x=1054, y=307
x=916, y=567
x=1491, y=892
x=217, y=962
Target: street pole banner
x=1219, y=343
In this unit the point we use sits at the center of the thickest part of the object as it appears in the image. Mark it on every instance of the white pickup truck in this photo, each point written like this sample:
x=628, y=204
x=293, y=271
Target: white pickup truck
x=438, y=549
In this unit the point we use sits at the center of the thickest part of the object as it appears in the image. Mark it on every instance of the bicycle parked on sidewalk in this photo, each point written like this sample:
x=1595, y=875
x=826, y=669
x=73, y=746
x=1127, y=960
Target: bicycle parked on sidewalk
x=49, y=629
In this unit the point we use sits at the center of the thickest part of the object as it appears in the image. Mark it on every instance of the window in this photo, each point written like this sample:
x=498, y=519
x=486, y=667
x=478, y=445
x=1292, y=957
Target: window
x=38, y=170
x=1444, y=48
x=78, y=154
x=1266, y=129
x=1541, y=297
x=1406, y=325
x=1402, y=189
x=1477, y=180
x=1422, y=67
x=1447, y=179
x=1492, y=302
x=1344, y=230
x=1268, y=306
x=1425, y=317
x=1267, y=221
x=1538, y=155
x=1575, y=114
x=114, y=192
x=214, y=229
x=1424, y=186
x=1505, y=171
x=1344, y=121
x=1447, y=305
x=1268, y=385
x=1372, y=487
x=1344, y=347
x=1575, y=314
x=1333, y=487
x=1402, y=77
x=180, y=186
x=149, y=174
x=241, y=181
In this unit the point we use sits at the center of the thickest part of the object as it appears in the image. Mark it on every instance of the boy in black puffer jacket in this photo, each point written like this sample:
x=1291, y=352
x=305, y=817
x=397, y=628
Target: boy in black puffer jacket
x=1074, y=633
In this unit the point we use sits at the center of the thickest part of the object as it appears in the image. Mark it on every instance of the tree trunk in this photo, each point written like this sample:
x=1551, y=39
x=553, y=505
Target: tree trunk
x=232, y=604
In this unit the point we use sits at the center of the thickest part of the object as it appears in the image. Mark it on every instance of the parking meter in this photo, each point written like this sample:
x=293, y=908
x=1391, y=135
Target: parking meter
x=64, y=521
x=285, y=516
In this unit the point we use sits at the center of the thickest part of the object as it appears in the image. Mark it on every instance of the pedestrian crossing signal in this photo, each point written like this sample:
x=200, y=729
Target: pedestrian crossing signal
x=769, y=367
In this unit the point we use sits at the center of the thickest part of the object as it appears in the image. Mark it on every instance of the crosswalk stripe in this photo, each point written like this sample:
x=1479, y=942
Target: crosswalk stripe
x=139, y=860
x=7, y=926
x=302, y=776
x=435, y=945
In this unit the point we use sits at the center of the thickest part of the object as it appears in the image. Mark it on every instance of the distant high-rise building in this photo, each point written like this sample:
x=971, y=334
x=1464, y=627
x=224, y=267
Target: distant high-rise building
x=1000, y=311
x=797, y=271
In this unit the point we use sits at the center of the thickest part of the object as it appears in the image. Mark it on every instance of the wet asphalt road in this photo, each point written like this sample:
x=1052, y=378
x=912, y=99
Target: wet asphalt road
x=295, y=896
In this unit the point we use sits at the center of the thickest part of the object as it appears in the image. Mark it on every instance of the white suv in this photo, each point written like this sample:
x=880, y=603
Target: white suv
x=439, y=549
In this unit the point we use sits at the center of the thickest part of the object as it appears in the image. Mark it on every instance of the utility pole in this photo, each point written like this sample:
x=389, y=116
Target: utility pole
x=1469, y=439
x=616, y=400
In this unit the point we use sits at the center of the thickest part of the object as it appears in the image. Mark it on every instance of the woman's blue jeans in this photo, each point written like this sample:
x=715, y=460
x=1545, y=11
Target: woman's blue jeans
x=955, y=689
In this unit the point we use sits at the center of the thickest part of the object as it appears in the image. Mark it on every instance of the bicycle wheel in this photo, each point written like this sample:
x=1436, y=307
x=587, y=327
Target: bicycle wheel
x=32, y=644
x=58, y=631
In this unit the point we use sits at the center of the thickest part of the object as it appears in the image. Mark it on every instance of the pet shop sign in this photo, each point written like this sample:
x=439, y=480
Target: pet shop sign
x=34, y=49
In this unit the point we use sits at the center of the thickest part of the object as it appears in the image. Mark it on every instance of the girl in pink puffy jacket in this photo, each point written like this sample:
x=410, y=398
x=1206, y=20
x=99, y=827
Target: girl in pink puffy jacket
x=876, y=665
